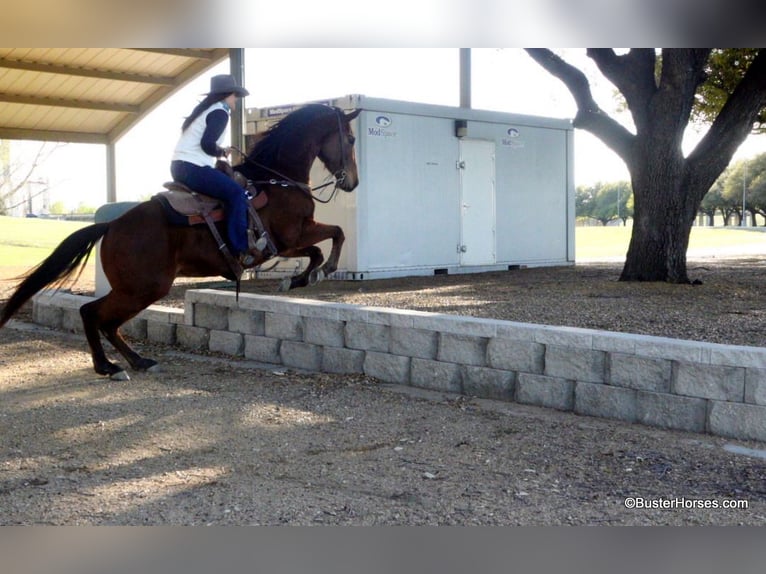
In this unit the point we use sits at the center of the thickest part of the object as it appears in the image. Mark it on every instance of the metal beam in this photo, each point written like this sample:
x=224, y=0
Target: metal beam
x=69, y=103
x=52, y=135
x=101, y=74
x=185, y=52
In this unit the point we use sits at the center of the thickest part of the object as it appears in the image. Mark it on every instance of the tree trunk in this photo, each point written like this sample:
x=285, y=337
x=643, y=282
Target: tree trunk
x=663, y=216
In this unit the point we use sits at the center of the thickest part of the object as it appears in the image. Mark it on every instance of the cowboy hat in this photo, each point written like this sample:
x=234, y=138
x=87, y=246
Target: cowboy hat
x=226, y=84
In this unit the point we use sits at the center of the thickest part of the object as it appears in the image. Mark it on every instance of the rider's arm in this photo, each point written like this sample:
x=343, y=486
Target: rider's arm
x=216, y=122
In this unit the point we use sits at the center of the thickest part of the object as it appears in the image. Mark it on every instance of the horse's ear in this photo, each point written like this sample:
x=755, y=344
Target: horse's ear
x=353, y=114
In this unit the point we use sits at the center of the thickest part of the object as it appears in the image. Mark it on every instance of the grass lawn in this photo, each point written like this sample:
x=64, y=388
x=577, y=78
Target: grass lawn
x=25, y=242
x=593, y=243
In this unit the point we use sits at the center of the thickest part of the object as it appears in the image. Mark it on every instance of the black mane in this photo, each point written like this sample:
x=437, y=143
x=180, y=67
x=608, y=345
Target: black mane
x=290, y=130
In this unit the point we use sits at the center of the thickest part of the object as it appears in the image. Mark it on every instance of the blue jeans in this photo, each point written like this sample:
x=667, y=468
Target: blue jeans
x=212, y=182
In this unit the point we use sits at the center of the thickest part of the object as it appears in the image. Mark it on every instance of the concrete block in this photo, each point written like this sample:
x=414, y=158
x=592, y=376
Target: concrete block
x=435, y=375
x=71, y=321
x=513, y=355
x=282, y=326
x=671, y=411
x=755, y=386
x=247, y=321
x=614, y=342
x=565, y=337
x=542, y=391
x=43, y=313
x=301, y=355
x=135, y=328
x=192, y=338
x=387, y=368
x=262, y=349
x=458, y=325
x=210, y=316
x=709, y=381
x=164, y=333
x=367, y=336
x=665, y=348
x=342, y=361
x=641, y=373
x=462, y=349
x=738, y=356
x=226, y=342
x=737, y=420
x=574, y=363
x=414, y=342
x=605, y=401
x=327, y=332
x=488, y=383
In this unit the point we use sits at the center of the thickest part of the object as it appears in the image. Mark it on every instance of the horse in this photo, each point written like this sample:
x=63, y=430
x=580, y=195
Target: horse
x=142, y=252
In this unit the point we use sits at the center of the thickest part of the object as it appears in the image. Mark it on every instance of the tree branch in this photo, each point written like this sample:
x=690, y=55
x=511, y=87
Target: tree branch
x=589, y=116
x=633, y=74
x=734, y=122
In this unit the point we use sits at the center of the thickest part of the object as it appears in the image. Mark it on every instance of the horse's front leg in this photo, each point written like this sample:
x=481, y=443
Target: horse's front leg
x=305, y=246
x=308, y=275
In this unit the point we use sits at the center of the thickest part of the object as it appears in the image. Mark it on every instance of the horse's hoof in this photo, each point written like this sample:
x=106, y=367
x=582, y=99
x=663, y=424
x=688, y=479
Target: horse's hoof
x=316, y=277
x=154, y=369
x=120, y=376
x=285, y=284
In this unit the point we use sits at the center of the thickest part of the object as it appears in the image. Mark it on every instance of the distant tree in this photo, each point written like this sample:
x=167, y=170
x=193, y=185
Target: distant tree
x=15, y=176
x=745, y=182
x=660, y=90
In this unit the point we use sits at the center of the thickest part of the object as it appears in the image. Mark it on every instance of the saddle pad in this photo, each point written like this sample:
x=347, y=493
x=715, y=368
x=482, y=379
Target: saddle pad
x=183, y=208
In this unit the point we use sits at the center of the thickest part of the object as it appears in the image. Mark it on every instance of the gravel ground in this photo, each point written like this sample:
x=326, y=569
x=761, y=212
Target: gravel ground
x=212, y=440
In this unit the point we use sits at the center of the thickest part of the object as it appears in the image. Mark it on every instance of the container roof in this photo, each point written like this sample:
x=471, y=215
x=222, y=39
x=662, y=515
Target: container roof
x=90, y=95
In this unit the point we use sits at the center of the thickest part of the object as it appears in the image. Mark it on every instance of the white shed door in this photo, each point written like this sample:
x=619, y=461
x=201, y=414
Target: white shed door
x=477, y=202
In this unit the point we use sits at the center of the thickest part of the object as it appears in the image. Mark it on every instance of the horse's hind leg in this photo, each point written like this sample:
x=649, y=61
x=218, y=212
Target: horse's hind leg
x=90, y=320
x=106, y=315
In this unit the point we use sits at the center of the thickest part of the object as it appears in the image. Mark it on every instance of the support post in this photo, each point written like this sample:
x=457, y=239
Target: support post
x=465, y=77
x=111, y=173
x=237, y=64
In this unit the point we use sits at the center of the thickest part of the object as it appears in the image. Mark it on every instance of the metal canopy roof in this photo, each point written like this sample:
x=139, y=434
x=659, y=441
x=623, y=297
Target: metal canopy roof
x=90, y=95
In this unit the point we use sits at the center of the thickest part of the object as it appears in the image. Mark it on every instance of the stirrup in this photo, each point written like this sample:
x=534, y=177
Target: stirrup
x=247, y=260
x=262, y=242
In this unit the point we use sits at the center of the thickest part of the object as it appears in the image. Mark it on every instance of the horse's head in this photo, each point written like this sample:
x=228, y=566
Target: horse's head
x=336, y=151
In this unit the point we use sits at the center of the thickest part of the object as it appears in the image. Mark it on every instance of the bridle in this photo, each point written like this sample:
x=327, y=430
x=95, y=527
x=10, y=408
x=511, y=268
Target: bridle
x=339, y=176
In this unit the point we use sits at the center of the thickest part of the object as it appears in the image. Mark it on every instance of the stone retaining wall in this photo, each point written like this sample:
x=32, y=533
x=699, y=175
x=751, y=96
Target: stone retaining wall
x=669, y=383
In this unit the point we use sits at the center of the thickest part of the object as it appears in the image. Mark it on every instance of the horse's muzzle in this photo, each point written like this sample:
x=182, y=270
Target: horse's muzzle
x=346, y=181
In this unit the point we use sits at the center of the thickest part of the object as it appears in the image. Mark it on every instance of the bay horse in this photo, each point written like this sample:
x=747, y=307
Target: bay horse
x=142, y=253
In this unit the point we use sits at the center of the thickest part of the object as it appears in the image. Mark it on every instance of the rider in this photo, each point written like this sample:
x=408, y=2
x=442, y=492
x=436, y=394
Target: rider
x=203, y=134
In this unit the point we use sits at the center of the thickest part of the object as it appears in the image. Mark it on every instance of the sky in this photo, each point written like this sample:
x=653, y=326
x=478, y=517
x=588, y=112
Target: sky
x=505, y=80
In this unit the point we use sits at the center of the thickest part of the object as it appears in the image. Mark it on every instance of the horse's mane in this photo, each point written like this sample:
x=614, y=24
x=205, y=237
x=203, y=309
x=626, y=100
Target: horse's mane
x=289, y=130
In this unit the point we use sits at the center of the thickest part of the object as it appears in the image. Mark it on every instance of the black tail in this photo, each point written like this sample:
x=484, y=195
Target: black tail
x=71, y=254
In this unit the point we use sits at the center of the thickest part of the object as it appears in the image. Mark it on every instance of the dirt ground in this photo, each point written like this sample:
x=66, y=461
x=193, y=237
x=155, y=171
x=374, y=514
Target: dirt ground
x=211, y=440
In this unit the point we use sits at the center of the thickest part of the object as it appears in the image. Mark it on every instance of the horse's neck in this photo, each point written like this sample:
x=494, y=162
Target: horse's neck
x=297, y=169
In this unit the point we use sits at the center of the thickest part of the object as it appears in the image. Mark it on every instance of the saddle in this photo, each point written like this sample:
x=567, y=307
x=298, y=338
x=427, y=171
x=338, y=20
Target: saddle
x=191, y=208
x=186, y=207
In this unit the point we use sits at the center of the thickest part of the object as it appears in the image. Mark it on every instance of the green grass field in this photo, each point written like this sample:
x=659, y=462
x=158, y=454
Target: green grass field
x=608, y=242
x=25, y=242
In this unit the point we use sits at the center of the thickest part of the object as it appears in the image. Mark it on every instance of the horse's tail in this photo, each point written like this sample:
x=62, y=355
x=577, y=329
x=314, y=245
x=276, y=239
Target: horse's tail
x=70, y=255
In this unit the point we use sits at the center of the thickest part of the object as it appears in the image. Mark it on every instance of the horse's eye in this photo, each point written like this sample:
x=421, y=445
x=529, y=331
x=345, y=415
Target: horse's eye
x=351, y=140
